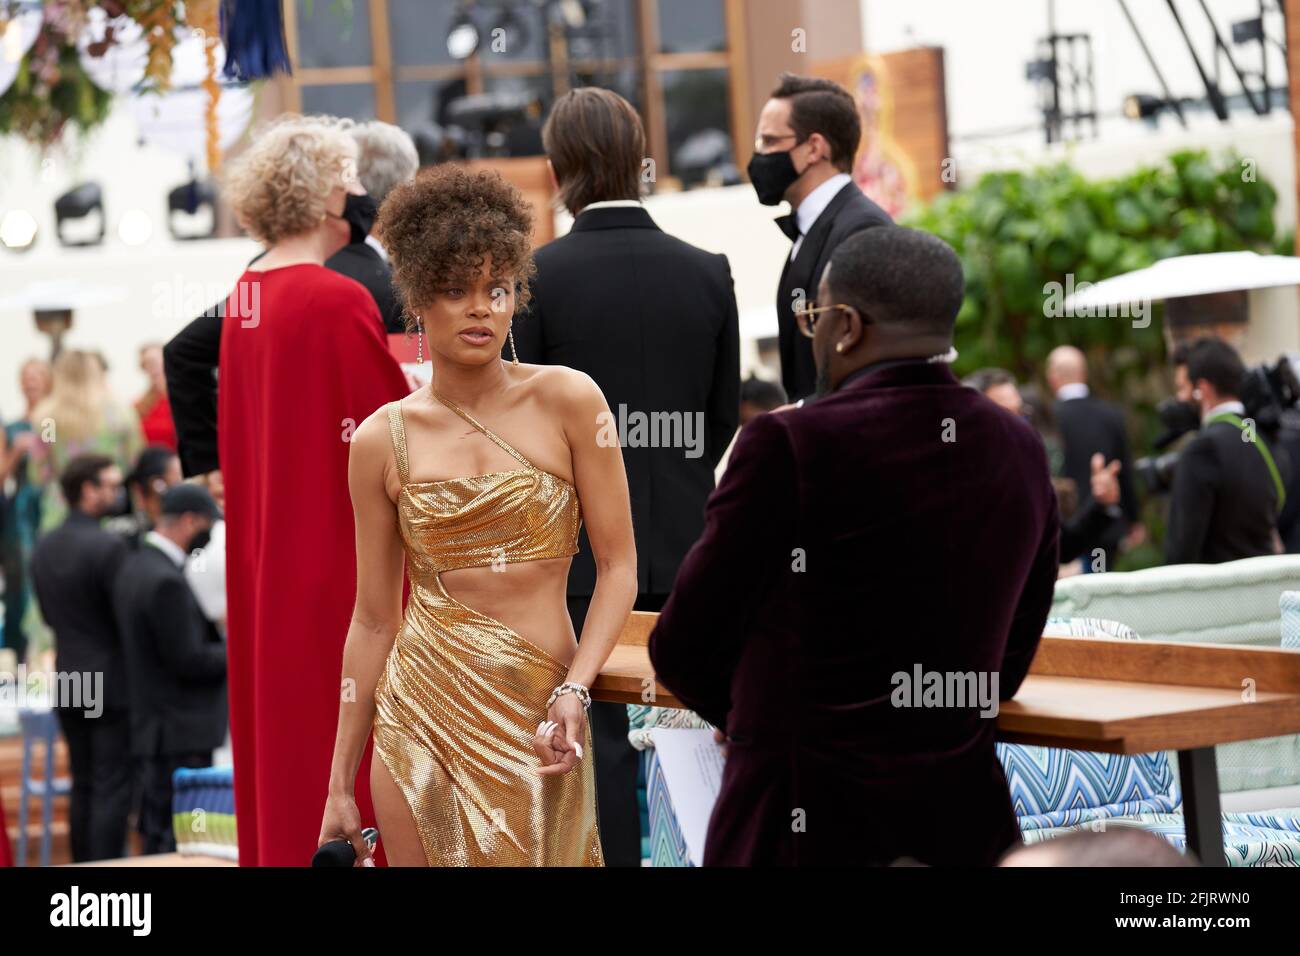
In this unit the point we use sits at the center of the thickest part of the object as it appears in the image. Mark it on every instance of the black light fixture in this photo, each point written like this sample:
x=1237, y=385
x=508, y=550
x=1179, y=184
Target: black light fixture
x=189, y=200
x=1248, y=31
x=1143, y=106
x=462, y=36
x=75, y=208
x=1039, y=70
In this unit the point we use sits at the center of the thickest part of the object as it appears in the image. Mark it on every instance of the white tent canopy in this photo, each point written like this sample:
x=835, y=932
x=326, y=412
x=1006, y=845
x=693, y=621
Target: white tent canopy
x=1189, y=275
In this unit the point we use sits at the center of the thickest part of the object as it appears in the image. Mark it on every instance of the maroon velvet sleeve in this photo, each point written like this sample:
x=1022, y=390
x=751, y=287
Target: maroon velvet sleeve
x=746, y=546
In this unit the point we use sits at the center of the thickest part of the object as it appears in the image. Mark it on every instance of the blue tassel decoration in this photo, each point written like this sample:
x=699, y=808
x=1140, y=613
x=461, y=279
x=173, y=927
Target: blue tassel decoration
x=253, y=33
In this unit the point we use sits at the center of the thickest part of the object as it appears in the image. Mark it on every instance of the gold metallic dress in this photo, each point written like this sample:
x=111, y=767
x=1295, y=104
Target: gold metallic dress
x=461, y=695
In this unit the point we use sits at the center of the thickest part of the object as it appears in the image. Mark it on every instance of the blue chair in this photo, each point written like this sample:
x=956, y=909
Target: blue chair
x=42, y=726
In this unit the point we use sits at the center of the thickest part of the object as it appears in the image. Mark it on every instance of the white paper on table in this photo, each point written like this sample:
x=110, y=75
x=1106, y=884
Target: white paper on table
x=692, y=761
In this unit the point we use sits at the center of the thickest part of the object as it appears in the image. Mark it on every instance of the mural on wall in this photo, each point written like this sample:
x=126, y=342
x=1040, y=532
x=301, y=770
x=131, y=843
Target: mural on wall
x=903, y=158
x=882, y=170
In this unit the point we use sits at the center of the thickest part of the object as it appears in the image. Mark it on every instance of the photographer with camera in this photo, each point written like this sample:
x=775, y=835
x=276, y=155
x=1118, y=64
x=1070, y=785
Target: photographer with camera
x=1227, y=486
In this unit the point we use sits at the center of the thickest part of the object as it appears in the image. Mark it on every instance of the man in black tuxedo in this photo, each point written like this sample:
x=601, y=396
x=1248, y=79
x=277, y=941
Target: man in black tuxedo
x=1090, y=426
x=653, y=321
x=808, y=133
x=386, y=156
x=175, y=658
x=1228, y=486
x=900, y=523
x=74, y=569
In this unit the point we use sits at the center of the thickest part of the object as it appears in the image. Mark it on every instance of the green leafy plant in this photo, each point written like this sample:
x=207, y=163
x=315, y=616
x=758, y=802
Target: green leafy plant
x=1017, y=232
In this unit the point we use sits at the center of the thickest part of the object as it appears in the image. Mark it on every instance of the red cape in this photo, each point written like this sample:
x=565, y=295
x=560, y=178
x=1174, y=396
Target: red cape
x=303, y=363
x=6, y=855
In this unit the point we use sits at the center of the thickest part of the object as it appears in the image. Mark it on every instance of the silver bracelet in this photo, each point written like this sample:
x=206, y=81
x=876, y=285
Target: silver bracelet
x=569, y=687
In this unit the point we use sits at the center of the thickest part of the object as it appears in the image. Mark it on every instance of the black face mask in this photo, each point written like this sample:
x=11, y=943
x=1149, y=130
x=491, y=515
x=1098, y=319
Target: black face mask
x=772, y=174
x=199, y=541
x=358, y=212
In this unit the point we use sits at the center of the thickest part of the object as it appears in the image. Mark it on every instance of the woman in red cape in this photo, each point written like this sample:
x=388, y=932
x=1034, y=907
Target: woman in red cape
x=303, y=362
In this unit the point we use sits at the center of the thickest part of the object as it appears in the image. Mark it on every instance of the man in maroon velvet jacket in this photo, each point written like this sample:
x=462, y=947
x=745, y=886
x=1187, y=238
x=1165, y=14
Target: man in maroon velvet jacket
x=899, y=524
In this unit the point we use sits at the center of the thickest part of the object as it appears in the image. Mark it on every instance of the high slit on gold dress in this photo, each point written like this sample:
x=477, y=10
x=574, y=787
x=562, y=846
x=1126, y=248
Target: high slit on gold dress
x=461, y=694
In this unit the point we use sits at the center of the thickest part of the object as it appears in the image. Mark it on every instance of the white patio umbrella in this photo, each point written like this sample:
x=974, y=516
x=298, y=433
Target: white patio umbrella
x=1189, y=275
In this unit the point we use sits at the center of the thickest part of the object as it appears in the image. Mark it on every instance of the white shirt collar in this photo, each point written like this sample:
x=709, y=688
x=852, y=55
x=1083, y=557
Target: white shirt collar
x=167, y=547
x=378, y=246
x=1072, y=390
x=1225, y=408
x=815, y=203
x=610, y=204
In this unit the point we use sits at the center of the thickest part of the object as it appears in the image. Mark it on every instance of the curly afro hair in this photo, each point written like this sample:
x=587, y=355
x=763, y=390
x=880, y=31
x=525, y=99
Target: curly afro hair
x=442, y=226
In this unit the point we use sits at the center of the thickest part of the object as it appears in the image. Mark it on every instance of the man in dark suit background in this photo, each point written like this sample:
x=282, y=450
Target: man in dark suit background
x=74, y=569
x=653, y=321
x=175, y=658
x=898, y=522
x=1227, y=486
x=808, y=133
x=386, y=156
x=1090, y=426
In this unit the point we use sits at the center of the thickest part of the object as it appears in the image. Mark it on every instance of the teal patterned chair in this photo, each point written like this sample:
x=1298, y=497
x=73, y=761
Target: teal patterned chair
x=1053, y=791
x=1232, y=603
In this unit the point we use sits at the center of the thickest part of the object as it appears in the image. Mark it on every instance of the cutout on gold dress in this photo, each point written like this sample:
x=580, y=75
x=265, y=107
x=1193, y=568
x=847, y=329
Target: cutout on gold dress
x=461, y=694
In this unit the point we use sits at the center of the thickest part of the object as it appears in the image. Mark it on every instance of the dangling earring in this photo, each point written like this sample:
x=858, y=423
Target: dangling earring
x=511, y=333
x=419, y=345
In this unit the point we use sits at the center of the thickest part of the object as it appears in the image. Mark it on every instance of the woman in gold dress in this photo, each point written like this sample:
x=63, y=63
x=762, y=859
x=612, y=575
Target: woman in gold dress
x=480, y=481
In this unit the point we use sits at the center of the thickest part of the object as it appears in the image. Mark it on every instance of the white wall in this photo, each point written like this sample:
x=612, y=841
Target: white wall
x=987, y=44
x=138, y=293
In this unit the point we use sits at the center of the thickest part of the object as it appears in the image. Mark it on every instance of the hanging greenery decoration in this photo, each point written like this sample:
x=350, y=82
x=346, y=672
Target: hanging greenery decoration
x=51, y=91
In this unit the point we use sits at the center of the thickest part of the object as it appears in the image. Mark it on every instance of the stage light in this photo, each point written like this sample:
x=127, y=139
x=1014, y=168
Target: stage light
x=135, y=228
x=184, y=203
x=75, y=208
x=1036, y=70
x=1142, y=106
x=1248, y=31
x=569, y=13
x=462, y=37
x=18, y=230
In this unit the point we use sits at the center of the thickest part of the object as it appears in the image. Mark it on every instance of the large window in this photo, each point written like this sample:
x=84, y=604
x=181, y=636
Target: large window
x=476, y=77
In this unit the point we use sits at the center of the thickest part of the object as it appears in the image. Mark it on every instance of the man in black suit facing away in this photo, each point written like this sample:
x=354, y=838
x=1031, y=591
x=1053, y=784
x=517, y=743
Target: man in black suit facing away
x=1089, y=427
x=386, y=156
x=808, y=133
x=175, y=658
x=74, y=569
x=653, y=321
x=1228, y=487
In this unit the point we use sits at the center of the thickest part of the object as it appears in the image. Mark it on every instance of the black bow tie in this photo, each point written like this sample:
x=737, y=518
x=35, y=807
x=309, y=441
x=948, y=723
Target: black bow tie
x=790, y=226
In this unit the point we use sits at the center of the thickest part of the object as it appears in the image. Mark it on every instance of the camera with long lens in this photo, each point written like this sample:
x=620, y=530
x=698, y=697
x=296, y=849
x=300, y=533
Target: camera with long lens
x=1269, y=393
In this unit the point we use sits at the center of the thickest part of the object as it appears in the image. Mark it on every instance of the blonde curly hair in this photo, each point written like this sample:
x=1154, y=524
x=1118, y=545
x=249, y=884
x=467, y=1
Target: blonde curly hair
x=278, y=185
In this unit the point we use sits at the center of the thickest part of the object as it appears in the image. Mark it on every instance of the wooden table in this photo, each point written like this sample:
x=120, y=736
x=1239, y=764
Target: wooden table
x=1102, y=694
